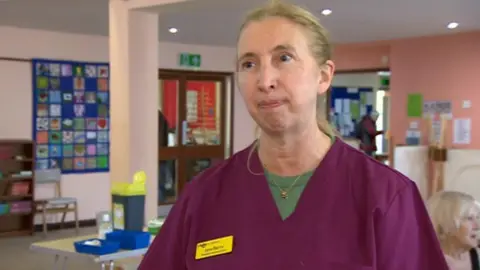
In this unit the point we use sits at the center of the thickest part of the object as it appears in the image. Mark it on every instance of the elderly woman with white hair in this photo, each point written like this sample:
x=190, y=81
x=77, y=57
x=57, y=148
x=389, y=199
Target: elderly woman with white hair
x=455, y=219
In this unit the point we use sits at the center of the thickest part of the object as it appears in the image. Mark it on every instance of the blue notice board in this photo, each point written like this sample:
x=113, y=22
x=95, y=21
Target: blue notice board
x=71, y=112
x=348, y=105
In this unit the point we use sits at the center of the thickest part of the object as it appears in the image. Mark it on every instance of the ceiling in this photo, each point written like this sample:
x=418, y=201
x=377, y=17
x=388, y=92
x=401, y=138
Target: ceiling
x=215, y=22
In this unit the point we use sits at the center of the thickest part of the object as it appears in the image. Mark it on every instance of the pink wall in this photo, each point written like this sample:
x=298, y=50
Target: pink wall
x=362, y=56
x=440, y=68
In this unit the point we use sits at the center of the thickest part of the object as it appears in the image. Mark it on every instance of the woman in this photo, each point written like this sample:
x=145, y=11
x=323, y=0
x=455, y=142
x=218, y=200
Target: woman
x=368, y=133
x=455, y=219
x=298, y=198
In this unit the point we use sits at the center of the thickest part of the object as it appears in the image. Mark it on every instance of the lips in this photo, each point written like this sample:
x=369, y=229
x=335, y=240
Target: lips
x=270, y=104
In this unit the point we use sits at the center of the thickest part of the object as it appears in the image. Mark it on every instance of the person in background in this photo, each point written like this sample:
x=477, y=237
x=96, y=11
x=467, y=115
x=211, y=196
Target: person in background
x=298, y=197
x=455, y=217
x=164, y=168
x=162, y=130
x=368, y=132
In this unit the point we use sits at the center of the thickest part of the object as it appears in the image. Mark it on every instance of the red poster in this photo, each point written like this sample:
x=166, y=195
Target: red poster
x=201, y=111
x=201, y=105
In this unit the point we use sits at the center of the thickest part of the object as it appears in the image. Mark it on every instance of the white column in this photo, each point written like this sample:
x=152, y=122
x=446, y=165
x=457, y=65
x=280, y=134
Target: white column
x=134, y=98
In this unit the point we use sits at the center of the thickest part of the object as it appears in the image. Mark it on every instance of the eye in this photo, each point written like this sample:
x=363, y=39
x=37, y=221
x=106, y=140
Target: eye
x=285, y=57
x=247, y=65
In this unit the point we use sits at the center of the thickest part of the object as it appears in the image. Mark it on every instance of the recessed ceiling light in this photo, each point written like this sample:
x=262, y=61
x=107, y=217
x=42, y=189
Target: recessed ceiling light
x=452, y=25
x=326, y=12
x=173, y=30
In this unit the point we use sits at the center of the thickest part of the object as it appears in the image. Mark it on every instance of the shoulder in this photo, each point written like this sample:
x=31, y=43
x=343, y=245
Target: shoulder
x=372, y=180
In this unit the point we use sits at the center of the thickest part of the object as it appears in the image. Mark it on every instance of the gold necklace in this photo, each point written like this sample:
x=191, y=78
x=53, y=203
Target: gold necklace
x=284, y=192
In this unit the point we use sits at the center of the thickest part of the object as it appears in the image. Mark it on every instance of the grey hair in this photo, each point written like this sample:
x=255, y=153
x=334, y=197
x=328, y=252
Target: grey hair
x=447, y=209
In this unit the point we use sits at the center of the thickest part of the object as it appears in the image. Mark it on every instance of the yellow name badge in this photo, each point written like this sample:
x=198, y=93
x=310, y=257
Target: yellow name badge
x=214, y=247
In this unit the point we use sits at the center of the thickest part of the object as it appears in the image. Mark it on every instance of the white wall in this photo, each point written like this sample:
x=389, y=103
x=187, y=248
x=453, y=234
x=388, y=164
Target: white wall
x=92, y=190
x=460, y=172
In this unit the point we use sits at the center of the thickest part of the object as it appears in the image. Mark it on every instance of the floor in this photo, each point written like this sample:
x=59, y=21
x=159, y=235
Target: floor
x=15, y=253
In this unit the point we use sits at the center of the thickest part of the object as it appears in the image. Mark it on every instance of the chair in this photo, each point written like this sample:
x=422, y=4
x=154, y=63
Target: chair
x=57, y=204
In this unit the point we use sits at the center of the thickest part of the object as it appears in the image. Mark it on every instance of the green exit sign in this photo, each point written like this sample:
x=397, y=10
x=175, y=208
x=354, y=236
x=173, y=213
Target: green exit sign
x=385, y=81
x=190, y=60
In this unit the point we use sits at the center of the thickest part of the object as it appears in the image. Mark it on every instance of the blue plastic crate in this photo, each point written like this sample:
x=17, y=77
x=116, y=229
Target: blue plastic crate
x=129, y=239
x=106, y=247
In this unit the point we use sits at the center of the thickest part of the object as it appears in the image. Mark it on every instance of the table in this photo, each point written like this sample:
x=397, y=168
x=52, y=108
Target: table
x=63, y=249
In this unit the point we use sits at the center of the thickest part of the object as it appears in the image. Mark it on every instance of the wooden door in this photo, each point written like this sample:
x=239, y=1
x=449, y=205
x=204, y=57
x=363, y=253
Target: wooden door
x=196, y=133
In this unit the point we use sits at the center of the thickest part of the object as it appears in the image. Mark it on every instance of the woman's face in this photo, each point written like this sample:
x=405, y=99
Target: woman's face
x=467, y=233
x=278, y=77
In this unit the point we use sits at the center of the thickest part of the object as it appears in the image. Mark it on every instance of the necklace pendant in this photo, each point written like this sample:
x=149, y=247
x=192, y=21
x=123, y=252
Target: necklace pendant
x=284, y=195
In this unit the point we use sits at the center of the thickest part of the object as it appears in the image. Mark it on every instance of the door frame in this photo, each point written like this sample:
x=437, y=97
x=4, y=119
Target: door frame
x=228, y=87
x=229, y=76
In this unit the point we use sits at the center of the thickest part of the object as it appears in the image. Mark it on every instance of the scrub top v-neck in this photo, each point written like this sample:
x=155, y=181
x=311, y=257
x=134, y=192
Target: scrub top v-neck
x=292, y=186
x=286, y=205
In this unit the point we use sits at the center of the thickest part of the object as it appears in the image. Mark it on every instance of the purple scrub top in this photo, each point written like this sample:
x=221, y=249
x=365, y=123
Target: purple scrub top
x=354, y=214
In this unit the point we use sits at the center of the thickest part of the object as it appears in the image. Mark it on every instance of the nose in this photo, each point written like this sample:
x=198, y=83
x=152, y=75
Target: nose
x=267, y=78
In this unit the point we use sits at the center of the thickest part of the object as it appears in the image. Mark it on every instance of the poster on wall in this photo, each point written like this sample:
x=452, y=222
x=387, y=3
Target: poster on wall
x=432, y=108
x=414, y=105
x=201, y=102
x=71, y=115
x=462, y=131
x=436, y=131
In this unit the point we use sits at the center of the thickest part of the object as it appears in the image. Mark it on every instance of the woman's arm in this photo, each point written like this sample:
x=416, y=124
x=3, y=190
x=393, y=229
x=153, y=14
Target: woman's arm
x=167, y=252
x=405, y=236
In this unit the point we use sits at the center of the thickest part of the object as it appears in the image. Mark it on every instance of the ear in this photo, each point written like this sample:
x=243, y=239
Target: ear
x=326, y=76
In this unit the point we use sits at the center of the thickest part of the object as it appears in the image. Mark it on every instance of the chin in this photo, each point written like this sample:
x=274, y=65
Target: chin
x=269, y=127
x=274, y=130
x=470, y=243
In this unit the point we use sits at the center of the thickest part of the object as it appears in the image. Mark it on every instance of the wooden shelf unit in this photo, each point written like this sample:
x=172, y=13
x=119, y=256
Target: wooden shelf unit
x=17, y=156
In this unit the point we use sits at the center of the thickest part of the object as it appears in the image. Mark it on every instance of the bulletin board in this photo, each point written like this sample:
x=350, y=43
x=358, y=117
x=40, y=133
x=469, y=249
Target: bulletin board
x=71, y=112
x=348, y=105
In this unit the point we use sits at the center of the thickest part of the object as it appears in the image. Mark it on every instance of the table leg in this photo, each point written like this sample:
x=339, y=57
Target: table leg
x=56, y=261
x=59, y=263
x=64, y=264
x=112, y=265
x=104, y=267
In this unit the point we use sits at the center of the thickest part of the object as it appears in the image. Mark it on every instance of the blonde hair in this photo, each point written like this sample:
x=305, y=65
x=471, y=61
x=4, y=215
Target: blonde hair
x=320, y=45
x=447, y=209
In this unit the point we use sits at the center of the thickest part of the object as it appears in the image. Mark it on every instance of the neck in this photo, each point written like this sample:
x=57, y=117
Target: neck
x=295, y=153
x=453, y=249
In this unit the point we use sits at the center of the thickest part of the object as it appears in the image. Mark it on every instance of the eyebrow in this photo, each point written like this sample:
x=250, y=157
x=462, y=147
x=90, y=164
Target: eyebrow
x=280, y=47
